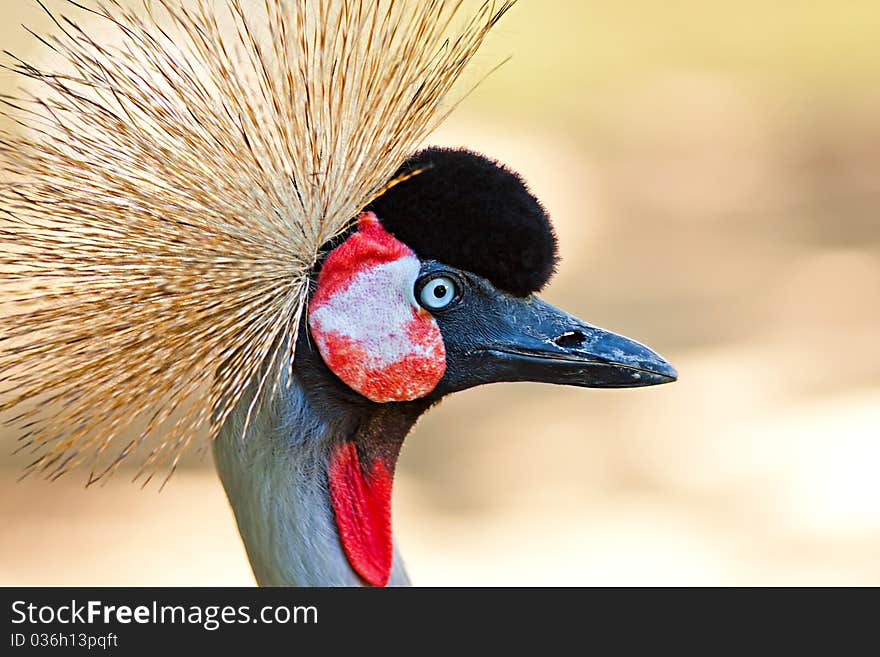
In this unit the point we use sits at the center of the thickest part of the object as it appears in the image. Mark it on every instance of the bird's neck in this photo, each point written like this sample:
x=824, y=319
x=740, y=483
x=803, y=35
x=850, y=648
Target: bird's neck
x=276, y=479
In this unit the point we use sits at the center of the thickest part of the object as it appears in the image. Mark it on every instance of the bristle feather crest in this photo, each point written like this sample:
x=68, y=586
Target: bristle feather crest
x=162, y=211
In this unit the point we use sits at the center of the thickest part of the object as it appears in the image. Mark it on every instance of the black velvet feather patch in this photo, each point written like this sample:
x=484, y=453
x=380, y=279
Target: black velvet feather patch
x=472, y=213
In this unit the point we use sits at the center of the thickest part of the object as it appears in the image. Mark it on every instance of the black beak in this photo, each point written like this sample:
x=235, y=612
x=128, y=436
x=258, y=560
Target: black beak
x=530, y=340
x=545, y=345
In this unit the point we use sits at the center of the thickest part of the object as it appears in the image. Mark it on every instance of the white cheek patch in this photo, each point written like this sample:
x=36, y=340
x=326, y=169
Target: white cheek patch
x=374, y=312
x=369, y=329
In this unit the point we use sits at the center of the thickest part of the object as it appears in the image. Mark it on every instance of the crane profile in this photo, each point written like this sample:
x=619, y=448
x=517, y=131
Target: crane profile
x=220, y=217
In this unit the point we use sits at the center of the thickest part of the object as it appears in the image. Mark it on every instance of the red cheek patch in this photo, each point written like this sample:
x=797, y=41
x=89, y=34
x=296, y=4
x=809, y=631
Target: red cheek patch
x=365, y=320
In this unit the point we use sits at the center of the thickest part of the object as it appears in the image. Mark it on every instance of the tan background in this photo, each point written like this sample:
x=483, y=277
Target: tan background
x=713, y=168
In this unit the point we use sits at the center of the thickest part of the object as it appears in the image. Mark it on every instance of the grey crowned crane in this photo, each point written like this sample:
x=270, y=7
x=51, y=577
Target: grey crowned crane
x=227, y=229
x=431, y=293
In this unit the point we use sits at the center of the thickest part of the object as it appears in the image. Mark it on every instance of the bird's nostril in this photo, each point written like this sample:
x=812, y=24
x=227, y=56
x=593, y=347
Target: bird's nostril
x=570, y=339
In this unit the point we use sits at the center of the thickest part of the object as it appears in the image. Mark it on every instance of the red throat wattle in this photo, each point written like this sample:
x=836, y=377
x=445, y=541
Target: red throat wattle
x=361, y=497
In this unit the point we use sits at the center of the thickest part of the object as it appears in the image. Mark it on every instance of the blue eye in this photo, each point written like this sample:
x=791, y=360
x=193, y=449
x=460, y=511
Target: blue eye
x=438, y=293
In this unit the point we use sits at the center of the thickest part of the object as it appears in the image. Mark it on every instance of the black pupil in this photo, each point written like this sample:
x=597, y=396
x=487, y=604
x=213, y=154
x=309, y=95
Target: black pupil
x=440, y=291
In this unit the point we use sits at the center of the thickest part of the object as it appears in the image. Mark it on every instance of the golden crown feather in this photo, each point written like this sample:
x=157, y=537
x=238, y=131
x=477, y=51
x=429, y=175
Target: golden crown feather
x=168, y=191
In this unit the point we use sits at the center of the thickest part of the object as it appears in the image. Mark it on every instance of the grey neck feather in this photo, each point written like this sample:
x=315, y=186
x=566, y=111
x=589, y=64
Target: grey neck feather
x=276, y=482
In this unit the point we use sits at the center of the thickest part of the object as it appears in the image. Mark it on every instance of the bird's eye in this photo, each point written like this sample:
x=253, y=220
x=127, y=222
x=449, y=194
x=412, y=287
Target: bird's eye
x=438, y=293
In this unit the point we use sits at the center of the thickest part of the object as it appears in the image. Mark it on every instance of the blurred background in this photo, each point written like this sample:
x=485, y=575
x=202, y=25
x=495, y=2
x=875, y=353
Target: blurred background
x=713, y=168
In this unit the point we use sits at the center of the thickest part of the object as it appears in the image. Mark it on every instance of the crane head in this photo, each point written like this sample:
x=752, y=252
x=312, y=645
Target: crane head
x=434, y=292
x=165, y=215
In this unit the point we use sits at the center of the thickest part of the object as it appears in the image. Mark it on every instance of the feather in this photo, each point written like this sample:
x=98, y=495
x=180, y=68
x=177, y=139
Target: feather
x=169, y=193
